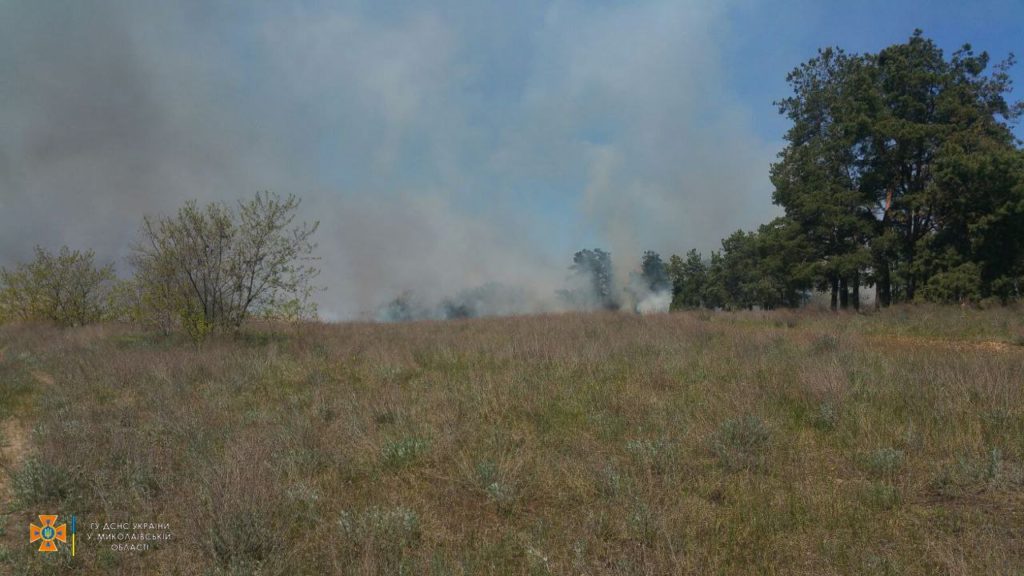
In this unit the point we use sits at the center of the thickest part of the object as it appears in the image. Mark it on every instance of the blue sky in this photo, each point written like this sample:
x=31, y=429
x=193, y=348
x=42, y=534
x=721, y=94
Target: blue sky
x=786, y=33
x=442, y=145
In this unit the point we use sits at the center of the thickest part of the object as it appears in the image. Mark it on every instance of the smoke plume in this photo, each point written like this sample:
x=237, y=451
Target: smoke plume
x=461, y=153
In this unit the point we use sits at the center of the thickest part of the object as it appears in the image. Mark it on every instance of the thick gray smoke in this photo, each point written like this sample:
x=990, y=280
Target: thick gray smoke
x=462, y=153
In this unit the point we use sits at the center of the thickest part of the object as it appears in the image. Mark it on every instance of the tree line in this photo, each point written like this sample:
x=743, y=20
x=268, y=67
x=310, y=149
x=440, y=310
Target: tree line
x=900, y=172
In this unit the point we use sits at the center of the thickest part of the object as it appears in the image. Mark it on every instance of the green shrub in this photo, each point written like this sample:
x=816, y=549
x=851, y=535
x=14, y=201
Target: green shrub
x=403, y=452
x=959, y=284
x=66, y=288
x=40, y=483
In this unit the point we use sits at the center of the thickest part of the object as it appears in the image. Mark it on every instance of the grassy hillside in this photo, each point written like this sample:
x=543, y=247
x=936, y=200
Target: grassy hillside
x=713, y=443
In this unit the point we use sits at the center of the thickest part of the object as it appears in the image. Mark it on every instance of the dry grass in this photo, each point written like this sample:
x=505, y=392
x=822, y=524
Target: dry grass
x=710, y=443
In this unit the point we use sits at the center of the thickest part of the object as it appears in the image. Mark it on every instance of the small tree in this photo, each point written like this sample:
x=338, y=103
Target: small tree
x=66, y=288
x=213, y=267
x=688, y=280
x=594, y=268
x=654, y=272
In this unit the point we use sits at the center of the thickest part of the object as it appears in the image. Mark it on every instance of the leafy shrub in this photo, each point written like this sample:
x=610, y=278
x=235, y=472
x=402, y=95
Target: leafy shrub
x=499, y=490
x=502, y=495
x=960, y=284
x=262, y=265
x=195, y=325
x=66, y=288
x=486, y=473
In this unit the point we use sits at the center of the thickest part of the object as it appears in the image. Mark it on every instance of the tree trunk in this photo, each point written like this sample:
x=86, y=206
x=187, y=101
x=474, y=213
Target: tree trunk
x=844, y=294
x=856, y=291
x=883, y=287
x=835, y=291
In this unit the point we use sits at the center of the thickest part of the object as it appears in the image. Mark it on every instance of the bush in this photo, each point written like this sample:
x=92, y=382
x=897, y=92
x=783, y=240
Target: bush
x=66, y=288
x=958, y=285
x=40, y=483
x=214, y=266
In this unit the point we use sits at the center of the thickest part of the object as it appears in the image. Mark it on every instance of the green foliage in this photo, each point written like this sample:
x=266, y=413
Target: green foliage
x=244, y=529
x=294, y=310
x=881, y=496
x=826, y=416
x=960, y=284
x=653, y=272
x=195, y=325
x=224, y=265
x=592, y=270
x=901, y=170
x=689, y=278
x=66, y=288
x=762, y=268
x=403, y=452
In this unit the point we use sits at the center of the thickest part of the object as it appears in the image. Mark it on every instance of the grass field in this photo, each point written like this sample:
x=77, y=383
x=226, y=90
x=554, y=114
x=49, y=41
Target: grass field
x=692, y=443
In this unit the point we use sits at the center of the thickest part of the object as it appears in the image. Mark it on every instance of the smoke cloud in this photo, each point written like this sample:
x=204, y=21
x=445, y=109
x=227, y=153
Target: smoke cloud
x=462, y=153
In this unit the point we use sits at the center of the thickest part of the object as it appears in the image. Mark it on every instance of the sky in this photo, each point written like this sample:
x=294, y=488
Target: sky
x=441, y=145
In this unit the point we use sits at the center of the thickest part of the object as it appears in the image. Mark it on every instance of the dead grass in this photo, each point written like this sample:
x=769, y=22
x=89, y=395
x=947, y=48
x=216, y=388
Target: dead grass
x=13, y=447
x=745, y=443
